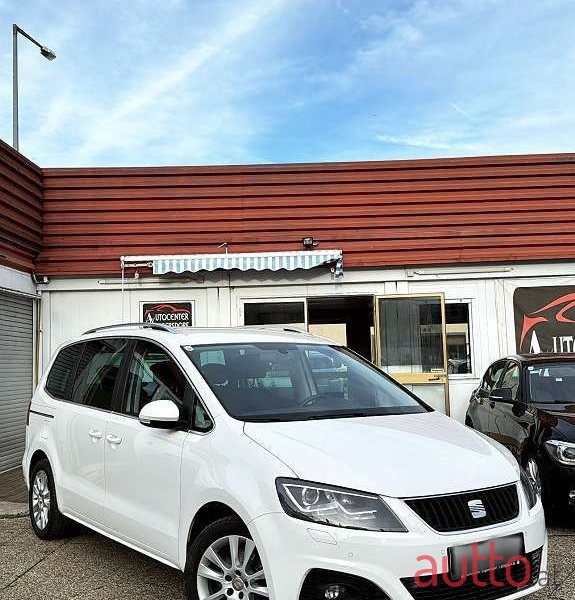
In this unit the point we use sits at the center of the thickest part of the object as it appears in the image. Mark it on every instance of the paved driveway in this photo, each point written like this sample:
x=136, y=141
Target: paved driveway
x=92, y=567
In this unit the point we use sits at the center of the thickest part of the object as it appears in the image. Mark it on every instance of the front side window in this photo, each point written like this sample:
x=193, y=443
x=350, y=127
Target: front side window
x=492, y=376
x=511, y=380
x=152, y=375
x=287, y=381
x=59, y=382
x=552, y=383
x=97, y=372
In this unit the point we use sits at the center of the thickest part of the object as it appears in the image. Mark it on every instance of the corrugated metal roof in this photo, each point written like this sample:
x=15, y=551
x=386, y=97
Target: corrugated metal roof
x=20, y=209
x=439, y=211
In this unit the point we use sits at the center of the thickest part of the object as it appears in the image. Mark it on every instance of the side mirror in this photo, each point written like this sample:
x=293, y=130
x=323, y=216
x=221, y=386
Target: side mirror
x=161, y=414
x=502, y=395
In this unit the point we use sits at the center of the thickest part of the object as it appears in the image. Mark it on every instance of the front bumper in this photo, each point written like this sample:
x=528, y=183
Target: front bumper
x=291, y=548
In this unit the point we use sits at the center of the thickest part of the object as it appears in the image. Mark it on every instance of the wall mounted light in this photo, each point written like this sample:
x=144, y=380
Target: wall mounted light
x=309, y=243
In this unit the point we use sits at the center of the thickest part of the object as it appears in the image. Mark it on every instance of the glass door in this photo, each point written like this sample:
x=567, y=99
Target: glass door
x=410, y=344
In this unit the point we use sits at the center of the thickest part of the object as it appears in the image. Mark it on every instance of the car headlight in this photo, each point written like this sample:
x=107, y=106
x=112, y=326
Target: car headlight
x=529, y=489
x=336, y=506
x=563, y=452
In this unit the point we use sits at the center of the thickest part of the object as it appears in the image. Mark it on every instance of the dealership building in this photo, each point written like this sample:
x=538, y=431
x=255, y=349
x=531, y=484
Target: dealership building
x=430, y=268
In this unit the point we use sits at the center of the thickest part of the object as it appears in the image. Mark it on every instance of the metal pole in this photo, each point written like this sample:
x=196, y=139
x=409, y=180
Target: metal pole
x=15, y=142
x=45, y=52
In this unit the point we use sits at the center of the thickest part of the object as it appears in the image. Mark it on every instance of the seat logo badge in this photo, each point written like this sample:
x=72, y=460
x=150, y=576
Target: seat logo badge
x=477, y=509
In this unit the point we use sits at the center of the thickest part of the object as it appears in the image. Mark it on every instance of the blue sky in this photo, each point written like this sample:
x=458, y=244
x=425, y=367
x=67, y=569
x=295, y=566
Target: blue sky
x=140, y=82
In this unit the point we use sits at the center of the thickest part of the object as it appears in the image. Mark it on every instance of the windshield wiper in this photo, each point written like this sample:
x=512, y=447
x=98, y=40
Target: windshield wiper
x=337, y=415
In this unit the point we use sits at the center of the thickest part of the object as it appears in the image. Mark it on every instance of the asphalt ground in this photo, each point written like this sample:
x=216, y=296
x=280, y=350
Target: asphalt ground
x=92, y=567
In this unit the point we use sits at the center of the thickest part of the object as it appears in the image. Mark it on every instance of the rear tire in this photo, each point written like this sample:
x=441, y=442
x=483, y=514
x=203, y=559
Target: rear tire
x=47, y=521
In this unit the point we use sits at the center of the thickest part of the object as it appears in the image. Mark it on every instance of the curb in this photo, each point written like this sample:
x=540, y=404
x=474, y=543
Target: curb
x=13, y=509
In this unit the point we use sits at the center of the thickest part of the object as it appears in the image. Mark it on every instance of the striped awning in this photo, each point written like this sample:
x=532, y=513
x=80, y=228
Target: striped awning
x=247, y=261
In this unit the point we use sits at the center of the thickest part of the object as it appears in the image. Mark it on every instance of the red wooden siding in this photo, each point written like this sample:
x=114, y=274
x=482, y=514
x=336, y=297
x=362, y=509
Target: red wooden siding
x=432, y=212
x=20, y=210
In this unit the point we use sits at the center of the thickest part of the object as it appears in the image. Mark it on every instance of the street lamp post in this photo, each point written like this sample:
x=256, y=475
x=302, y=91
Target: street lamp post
x=45, y=52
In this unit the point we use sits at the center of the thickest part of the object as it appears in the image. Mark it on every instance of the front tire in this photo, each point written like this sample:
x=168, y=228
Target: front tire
x=47, y=521
x=223, y=563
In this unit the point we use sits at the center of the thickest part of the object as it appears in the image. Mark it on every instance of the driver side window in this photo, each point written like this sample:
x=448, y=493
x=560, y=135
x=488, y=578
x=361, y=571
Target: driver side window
x=511, y=380
x=152, y=375
x=491, y=377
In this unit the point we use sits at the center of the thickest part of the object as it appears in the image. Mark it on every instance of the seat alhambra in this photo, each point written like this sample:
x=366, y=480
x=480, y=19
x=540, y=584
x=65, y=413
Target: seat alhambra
x=269, y=463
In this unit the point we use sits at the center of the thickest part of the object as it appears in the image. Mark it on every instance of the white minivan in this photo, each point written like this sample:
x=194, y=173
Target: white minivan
x=269, y=463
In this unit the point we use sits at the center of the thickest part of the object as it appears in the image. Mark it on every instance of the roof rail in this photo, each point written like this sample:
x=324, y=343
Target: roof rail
x=158, y=326
x=285, y=328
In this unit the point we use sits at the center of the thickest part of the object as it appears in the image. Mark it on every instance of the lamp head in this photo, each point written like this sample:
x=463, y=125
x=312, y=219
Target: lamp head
x=47, y=53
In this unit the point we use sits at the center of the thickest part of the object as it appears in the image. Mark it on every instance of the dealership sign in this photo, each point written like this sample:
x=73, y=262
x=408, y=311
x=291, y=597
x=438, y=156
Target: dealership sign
x=174, y=314
x=545, y=319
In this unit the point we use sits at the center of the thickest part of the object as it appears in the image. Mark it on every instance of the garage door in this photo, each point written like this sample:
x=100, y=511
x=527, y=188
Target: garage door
x=16, y=375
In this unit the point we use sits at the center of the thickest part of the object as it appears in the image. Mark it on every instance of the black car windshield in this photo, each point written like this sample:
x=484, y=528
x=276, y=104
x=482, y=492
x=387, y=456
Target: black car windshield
x=287, y=381
x=552, y=383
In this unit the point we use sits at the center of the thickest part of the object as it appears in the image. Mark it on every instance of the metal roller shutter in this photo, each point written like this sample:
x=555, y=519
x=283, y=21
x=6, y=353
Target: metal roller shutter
x=16, y=375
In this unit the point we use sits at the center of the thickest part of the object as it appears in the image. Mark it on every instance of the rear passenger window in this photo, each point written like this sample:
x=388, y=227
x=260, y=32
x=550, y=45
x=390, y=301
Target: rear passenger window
x=59, y=382
x=97, y=372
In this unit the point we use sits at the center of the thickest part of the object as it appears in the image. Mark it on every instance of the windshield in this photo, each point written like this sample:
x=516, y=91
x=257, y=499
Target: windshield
x=553, y=383
x=286, y=381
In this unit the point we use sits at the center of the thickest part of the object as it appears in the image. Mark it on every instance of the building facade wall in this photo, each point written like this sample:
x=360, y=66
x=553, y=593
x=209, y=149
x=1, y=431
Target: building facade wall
x=381, y=214
x=70, y=306
x=20, y=210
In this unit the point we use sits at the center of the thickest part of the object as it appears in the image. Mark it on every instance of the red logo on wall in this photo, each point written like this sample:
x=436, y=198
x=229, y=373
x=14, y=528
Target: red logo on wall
x=174, y=314
x=545, y=319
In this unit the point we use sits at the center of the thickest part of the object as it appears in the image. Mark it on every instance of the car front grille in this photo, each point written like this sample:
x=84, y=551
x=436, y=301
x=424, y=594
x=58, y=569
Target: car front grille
x=471, y=591
x=453, y=512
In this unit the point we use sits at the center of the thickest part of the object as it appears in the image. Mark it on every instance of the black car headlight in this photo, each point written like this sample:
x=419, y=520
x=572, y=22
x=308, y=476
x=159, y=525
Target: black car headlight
x=336, y=506
x=529, y=489
x=562, y=452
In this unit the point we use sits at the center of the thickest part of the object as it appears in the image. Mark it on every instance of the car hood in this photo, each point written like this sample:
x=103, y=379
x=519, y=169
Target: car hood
x=393, y=455
x=559, y=419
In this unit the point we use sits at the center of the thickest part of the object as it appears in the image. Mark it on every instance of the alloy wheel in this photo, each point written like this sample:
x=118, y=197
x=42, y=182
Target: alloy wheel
x=231, y=568
x=41, y=500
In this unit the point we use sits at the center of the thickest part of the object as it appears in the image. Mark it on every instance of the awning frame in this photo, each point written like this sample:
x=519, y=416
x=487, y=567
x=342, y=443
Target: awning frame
x=243, y=261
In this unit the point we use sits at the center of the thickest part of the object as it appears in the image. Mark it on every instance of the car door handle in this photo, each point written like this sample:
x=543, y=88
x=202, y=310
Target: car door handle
x=95, y=434
x=114, y=439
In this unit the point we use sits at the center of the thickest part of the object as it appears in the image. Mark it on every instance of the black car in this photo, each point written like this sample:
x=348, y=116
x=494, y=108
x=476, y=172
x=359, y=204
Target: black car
x=527, y=403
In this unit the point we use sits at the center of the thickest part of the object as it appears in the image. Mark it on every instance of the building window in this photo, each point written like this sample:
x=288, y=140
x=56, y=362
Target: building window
x=275, y=313
x=458, y=338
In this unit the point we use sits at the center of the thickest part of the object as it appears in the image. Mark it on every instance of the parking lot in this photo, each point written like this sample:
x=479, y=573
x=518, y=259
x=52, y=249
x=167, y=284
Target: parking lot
x=92, y=567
